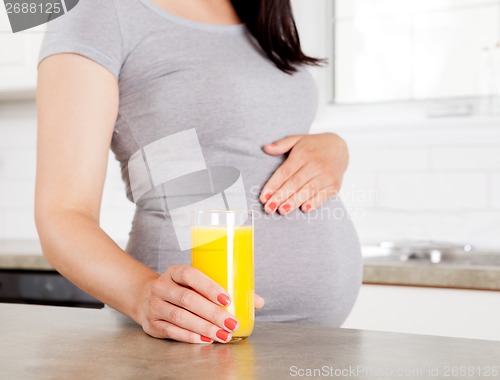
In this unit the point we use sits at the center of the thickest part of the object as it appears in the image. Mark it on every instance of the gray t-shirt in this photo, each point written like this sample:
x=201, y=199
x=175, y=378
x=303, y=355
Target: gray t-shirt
x=197, y=103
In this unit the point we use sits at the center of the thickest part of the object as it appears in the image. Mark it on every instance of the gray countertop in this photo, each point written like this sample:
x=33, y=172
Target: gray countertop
x=27, y=255
x=25, y=262
x=436, y=276
x=22, y=254
x=43, y=342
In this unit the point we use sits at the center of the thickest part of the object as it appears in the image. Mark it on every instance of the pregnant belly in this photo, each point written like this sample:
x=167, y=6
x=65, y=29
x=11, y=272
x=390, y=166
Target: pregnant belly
x=308, y=266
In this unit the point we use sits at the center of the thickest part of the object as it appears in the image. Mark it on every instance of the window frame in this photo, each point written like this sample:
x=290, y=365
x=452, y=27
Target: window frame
x=315, y=22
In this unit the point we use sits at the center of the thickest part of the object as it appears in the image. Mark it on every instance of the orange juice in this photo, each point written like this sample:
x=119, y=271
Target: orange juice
x=226, y=256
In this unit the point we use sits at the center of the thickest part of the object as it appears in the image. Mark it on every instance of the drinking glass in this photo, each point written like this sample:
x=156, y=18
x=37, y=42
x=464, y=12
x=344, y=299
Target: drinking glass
x=222, y=248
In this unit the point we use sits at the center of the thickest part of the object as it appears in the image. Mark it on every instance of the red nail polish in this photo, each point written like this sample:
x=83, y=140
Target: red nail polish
x=223, y=299
x=286, y=207
x=222, y=335
x=205, y=339
x=272, y=206
x=306, y=208
x=230, y=323
x=267, y=197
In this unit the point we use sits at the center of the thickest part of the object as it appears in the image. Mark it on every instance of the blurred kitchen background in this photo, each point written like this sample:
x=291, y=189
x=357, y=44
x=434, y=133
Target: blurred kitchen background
x=414, y=88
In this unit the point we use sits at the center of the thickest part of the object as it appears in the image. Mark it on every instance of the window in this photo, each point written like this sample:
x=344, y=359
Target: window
x=409, y=50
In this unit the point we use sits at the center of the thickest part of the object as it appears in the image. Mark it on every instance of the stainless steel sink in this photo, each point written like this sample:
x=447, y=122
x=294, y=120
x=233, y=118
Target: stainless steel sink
x=432, y=253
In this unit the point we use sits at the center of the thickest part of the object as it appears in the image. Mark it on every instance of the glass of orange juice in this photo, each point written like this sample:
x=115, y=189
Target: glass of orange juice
x=222, y=248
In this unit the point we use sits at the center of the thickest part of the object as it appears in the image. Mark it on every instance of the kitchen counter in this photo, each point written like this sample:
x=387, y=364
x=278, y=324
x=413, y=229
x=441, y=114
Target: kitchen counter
x=431, y=264
x=22, y=255
x=27, y=255
x=436, y=276
x=41, y=342
x=25, y=262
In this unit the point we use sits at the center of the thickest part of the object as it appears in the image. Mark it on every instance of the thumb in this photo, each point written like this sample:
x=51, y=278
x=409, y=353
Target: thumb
x=282, y=146
x=259, y=302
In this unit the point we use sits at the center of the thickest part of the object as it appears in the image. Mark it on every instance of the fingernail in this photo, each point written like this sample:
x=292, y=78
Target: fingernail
x=286, y=208
x=272, y=206
x=222, y=335
x=273, y=144
x=267, y=197
x=223, y=299
x=205, y=339
x=306, y=208
x=230, y=323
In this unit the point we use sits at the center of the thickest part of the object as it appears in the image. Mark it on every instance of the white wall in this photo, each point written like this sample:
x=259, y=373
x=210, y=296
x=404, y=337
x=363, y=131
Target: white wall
x=17, y=179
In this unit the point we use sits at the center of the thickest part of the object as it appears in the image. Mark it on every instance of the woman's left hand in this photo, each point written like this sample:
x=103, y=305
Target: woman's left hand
x=259, y=302
x=311, y=174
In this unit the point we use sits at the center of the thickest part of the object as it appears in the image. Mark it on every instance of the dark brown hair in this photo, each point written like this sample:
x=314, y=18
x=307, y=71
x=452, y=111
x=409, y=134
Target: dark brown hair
x=272, y=24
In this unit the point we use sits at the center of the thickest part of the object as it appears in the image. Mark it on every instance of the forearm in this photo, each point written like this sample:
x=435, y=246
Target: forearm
x=80, y=250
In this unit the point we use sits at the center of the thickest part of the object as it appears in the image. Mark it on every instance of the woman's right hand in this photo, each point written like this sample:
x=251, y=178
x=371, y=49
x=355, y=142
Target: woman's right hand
x=183, y=304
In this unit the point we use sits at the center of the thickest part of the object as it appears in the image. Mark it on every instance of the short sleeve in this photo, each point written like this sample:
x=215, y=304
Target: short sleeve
x=90, y=29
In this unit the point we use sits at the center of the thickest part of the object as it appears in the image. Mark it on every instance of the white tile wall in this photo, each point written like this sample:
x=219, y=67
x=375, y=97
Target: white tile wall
x=17, y=180
x=466, y=157
x=495, y=190
x=478, y=228
x=433, y=191
x=360, y=191
x=392, y=158
x=17, y=194
x=17, y=224
x=18, y=163
x=445, y=189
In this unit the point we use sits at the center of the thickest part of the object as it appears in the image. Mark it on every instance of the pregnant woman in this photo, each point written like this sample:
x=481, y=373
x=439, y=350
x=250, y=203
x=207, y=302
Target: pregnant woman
x=178, y=87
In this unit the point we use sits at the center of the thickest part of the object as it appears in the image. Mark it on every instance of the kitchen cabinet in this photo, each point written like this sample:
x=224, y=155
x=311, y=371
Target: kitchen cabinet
x=18, y=58
x=430, y=311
